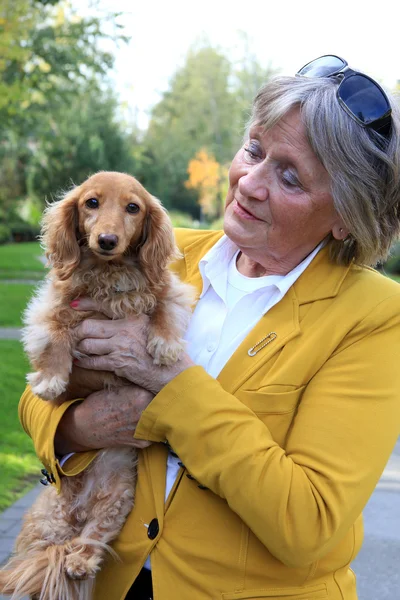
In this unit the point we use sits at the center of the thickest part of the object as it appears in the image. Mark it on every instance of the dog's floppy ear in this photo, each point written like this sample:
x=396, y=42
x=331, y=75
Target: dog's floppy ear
x=60, y=234
x=157, y=247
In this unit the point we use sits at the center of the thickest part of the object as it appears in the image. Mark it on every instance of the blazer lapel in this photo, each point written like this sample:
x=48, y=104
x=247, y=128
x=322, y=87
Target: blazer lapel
x=269, y=335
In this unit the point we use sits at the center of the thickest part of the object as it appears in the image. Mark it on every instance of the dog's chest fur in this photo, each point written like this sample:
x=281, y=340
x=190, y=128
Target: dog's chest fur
x=121, y=288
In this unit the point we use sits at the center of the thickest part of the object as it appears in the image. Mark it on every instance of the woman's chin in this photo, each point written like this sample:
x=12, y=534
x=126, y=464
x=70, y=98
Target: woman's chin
x=237, y=231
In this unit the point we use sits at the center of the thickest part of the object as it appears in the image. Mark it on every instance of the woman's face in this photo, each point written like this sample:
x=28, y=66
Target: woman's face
x=279, y=205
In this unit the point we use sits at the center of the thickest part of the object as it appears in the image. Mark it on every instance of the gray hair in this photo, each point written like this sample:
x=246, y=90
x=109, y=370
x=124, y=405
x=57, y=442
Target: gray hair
x=363, y=166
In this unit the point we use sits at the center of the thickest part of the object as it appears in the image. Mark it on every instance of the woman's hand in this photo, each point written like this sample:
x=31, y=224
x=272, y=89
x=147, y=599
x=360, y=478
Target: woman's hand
x=83, y=382
x=120, y=346
x=104, y=419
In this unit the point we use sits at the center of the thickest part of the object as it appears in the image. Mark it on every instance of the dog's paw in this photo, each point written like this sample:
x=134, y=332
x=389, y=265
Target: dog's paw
x=165, y=352
x=46, y=386
x=81, y=564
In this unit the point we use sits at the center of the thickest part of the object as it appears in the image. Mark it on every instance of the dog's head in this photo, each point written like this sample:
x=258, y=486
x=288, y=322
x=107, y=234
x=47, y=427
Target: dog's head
x=114, y=216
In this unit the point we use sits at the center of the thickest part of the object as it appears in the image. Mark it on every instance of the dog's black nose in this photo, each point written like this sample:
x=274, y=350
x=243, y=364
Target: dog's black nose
x=108, y=241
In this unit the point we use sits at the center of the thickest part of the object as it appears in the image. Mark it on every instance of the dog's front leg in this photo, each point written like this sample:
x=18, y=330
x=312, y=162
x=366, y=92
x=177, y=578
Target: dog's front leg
x=53, y=366
x=169, y=322
x=47, y=341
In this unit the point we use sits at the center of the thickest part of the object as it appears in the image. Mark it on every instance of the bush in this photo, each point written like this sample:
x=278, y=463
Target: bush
x=5, y=234
x=392, y=265
x=24, y=232
x=181, y=219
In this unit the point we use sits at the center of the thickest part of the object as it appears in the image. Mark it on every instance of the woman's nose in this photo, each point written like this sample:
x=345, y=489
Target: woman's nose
x=254, y=185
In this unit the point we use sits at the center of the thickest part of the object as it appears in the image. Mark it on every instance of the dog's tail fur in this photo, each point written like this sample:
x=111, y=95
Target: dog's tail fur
x=41, y=573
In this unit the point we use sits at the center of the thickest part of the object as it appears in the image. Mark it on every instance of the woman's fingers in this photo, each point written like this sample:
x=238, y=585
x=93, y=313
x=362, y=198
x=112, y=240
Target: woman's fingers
x=84, y=304
x=88, y=304
x=94, y=346
x=91, y=328
x=97, y=363
x=132, y=327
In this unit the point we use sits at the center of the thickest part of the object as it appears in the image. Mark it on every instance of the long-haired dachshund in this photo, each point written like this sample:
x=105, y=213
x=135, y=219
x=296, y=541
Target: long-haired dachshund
x=111, y=240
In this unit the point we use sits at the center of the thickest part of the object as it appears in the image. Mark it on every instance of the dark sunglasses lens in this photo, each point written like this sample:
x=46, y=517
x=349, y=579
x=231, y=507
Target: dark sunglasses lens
x=363, y=98
x=322, y=67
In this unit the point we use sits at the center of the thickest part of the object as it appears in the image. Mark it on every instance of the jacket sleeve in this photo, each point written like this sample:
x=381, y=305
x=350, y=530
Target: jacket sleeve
x=299, y=500
x=40, y=420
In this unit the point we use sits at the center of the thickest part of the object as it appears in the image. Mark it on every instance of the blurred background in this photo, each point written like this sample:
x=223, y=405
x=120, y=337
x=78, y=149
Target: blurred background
x=161, y=90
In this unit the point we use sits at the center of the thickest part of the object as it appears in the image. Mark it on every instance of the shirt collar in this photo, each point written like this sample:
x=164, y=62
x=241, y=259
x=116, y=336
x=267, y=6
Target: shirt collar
x=213, y=267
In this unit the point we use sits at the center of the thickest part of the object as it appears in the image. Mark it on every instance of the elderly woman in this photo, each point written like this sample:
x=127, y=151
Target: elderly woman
x=286, y=407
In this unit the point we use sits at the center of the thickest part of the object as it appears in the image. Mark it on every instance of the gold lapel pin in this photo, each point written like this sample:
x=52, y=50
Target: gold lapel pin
x=270, y=337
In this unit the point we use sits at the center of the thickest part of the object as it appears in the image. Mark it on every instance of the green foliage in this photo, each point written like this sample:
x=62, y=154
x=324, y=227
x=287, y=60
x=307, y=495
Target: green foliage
x=392, y=265
x=19, y=465
x=5, y=234
x=181, y=219
x=83, y=138
x=47, y=52
x=57, y=119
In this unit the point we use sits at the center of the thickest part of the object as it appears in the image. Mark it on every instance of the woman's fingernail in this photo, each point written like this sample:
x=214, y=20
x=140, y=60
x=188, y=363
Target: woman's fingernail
x=75, y=361
x=74, y=303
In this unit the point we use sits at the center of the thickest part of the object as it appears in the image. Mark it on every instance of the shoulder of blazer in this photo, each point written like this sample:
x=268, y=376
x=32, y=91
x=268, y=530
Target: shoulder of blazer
x=325, y=279
x=193, y=244
x=203, y=239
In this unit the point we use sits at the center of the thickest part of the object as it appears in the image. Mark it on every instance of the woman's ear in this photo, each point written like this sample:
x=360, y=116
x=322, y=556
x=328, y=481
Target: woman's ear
x=340, y=231
x=60, y=234
x=157, y=247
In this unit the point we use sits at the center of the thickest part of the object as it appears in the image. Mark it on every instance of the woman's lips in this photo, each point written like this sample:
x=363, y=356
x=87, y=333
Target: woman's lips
x=242, y=212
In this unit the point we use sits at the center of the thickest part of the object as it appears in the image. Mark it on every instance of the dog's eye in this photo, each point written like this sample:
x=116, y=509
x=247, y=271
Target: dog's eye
x=92, y=203
x=132, y=208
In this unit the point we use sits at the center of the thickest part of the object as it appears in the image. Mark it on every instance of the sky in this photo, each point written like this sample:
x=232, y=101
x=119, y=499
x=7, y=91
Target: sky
x=285, y=33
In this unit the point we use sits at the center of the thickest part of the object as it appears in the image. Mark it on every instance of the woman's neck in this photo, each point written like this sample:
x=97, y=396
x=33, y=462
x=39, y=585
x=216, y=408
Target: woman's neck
x=251, y=268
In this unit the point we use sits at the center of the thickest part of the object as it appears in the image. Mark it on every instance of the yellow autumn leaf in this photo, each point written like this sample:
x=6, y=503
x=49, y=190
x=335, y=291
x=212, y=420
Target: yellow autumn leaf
x=204, y=176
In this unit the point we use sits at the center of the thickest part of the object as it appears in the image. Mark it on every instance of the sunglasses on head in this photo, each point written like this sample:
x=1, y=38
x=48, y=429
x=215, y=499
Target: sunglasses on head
x=359, y=95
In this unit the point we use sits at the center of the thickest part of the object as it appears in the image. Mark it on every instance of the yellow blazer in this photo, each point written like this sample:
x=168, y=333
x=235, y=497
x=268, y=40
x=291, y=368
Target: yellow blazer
x=281, y=452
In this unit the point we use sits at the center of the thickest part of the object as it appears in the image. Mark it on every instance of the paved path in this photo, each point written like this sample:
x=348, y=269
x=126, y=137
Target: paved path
x=24, y=281
x=10, y=333
x=376, y=567
x=11, y=521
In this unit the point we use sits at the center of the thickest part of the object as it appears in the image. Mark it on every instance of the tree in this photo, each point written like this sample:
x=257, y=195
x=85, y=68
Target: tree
x=47, y=53
x=53, y=68
x=79, y=140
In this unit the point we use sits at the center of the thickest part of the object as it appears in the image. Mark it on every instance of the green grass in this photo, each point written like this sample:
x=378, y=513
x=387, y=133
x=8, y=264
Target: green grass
x=19, y=467
x=13, y=300
x=20, y=261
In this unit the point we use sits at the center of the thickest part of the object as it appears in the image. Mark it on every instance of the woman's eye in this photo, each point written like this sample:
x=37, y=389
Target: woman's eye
x=92, y=203
x=290, y=180
x=253, y=150
x=132, y=208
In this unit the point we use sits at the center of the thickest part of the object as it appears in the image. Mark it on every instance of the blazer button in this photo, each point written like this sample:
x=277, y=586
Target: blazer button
x=154, y=528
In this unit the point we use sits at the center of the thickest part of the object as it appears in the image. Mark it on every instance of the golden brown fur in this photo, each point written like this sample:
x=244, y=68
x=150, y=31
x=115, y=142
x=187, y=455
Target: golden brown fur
x=118, y=256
